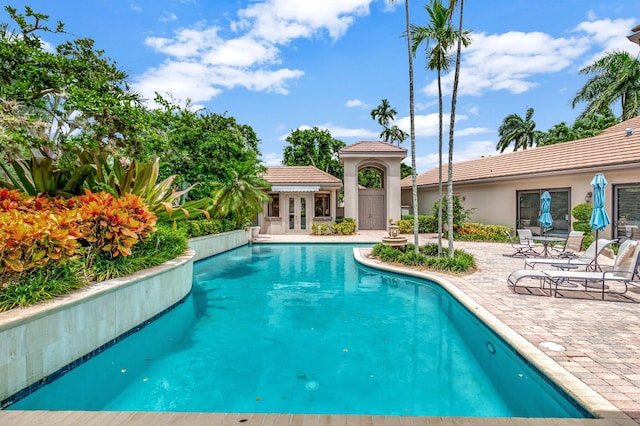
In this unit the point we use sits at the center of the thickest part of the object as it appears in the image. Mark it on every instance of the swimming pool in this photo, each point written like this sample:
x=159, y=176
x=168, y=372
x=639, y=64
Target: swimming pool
x=304, y=329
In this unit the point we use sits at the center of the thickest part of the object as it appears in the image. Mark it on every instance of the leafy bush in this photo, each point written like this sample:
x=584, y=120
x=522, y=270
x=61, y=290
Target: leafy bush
x=199, y=227
x=40, y=285
x=582, y=216
x=405, y=226
x=164, y=244
x=480, y=232
x=426, y=224
x=462, y=262
x=460, y=214
x=346, y=226
x=582, y=211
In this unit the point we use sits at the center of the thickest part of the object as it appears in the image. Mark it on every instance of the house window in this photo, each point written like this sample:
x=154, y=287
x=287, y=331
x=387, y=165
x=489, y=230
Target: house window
x=273, y=209
x=322, y=205
x=529, y=210
x=626, y=208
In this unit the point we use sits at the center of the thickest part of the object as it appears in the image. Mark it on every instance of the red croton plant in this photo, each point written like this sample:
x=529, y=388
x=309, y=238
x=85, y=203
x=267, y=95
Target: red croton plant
x=39, y=230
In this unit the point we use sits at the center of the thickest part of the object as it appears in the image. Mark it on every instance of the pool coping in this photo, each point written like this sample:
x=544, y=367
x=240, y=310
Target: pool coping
x=589, y=399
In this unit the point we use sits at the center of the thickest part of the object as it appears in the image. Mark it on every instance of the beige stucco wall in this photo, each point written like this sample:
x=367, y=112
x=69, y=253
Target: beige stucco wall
x=391, y=169
x=280, y=225
x=495, y=201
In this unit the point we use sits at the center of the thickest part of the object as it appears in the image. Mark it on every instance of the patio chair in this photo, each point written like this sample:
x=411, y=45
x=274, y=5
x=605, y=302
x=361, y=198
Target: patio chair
x=571, y=247
x=585, y=260
x=524, y=235
x=624, y=270
x=635, y=233
x=521, y=250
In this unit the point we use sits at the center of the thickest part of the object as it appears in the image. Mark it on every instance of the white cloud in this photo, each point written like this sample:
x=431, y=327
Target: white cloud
x=251, y=58
x=339, y=132
x=272, y=159
x=283, y=20
x=356, y=103
x=509, y=61
x=168, y=17
x=609, y=35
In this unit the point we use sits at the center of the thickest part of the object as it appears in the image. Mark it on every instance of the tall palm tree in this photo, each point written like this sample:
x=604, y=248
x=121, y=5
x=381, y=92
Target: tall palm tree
x=412, y=116
x=521, y=132
x=243, y=195
x=438, y=37
x=452, y=120
x=615, y=76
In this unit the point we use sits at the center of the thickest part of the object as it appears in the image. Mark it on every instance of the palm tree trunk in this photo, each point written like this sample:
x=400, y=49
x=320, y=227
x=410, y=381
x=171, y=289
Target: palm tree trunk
x=451, y=131
x=439, y=164
x=414, y=179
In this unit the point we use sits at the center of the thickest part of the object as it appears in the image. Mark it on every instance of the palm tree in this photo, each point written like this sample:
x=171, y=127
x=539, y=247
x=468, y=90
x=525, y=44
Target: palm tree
x=452, y=121
x=443, y=35
x=521, y=132
x=615, y=76
x=393, y=134
x=414, y=179
x=243, y=195
x=384, y=113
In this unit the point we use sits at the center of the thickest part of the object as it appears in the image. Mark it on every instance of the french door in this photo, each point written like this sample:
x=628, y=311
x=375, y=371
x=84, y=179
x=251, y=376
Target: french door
x=297, y=206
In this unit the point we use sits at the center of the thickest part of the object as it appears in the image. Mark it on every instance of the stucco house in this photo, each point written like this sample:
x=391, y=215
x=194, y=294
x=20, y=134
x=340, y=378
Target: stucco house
x=505, y=189
x=302, y=195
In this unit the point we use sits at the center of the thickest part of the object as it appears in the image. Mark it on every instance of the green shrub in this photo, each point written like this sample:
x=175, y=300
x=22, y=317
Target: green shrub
x=346, y=226
x=587, y=240
x=42, y=284
x=480, y=232
x=460, y=214
x=200, y=227
x=162, y=245
x=582, y=215
x=582, y=211
x=461, y=262
x=426, y=224
x=405, y=226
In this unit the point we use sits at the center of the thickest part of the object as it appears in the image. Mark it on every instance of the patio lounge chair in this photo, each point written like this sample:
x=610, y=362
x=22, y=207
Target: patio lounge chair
x=571, y=247
x=625, y=269
x=521, y=250
x=628, y=252
x=586, y=259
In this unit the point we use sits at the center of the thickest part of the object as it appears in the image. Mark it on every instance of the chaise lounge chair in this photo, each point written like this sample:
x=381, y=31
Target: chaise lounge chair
x=624, y=270
x=586, y=259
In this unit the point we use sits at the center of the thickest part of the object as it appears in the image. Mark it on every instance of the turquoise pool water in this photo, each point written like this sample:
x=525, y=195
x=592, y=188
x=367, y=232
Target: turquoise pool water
x=304, y=329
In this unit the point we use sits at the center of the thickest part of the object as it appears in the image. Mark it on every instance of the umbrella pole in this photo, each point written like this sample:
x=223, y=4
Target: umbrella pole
x=595, y=259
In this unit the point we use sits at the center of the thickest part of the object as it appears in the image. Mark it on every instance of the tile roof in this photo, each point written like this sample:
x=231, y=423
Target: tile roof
x=371, y=146
x=610, y=148
x=299, y=175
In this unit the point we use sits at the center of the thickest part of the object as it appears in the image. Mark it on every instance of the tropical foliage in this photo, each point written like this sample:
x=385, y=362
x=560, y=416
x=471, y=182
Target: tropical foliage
x=314, y=147
x=613, y=78
x=426, y=257
x=520, y=132
x=384, y=114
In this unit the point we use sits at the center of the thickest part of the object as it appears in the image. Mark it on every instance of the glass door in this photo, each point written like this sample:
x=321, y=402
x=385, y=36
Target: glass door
x=297, y=207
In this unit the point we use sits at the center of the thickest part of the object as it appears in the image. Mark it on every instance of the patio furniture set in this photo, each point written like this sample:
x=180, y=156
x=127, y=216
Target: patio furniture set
x=580, y=271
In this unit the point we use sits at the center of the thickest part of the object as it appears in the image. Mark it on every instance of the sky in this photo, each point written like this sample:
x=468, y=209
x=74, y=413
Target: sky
x=280, y=65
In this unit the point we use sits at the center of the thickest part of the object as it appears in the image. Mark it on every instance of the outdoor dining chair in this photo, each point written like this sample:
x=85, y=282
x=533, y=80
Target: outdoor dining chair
x=521, y=250
x=571, y=247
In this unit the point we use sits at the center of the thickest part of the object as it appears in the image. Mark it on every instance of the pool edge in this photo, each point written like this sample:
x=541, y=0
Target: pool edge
x=593, y=402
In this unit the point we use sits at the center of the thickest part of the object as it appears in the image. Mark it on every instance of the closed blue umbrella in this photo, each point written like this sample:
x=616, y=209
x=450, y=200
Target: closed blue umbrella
x=599, y=217
x=545, y=218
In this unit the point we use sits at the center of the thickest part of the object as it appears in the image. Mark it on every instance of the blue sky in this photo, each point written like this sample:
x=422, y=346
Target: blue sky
x=278, y=65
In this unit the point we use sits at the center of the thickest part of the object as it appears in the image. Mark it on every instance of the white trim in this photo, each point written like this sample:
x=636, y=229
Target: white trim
x=295, y=188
